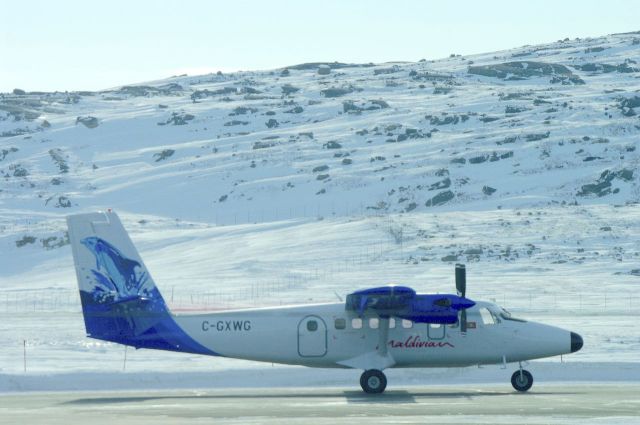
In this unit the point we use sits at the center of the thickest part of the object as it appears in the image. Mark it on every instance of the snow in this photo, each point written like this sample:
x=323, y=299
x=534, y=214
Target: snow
x=222, y=224
x=279, y=376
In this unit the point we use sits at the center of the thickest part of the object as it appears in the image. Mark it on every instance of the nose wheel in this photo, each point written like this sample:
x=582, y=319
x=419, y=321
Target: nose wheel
x=373, y=381
x=522, y=380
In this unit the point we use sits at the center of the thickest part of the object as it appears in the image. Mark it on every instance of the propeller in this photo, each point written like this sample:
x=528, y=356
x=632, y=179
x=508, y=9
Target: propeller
x=461, y=280
x=461, y=287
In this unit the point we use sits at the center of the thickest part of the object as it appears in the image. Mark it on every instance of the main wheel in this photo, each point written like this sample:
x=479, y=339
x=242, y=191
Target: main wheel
x=522, y=380
x=373, y=381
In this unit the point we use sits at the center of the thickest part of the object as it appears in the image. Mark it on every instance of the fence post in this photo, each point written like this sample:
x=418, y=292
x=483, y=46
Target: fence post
x=24, y=354
x=124, y=363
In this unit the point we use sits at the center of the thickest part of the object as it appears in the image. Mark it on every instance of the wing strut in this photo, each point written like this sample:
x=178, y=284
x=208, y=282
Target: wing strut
x=380, y=358
x=383, y=336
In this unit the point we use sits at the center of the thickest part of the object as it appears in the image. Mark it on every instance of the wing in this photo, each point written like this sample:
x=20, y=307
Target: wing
x=402, y=302
x=405, y=303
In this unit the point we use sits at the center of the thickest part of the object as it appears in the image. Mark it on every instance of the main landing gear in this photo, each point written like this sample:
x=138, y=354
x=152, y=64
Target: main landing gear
x=522, y=380
x=373, y=381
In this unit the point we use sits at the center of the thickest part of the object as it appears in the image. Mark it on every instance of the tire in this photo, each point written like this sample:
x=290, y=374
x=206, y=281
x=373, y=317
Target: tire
x=373, y=381
x=522, y=382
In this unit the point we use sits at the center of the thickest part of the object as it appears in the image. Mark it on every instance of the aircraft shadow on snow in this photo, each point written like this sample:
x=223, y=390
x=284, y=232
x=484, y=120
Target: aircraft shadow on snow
x=394, y=396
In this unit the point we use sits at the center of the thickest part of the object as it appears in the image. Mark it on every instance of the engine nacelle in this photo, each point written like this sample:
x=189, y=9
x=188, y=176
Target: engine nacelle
x=442, y=309
x=403, y=302
x=380, y=299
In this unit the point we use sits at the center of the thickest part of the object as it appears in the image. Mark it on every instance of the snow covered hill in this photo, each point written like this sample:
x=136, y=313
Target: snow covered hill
x=531, y=126
x=292, y=184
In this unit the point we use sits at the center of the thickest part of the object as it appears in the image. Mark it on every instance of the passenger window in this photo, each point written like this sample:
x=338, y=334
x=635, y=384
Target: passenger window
x=340, y=323
x=486, y=316
x=312, y=326
x=356, y=323
x=407, y=324
x=374, y=323
x=392, y=323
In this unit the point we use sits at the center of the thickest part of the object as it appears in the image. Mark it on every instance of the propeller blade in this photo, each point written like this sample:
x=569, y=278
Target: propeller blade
x=463, y=321
x=461, y=280
x=461, y=287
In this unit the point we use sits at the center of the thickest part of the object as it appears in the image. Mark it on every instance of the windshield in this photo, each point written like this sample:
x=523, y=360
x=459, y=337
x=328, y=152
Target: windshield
x=506, y=315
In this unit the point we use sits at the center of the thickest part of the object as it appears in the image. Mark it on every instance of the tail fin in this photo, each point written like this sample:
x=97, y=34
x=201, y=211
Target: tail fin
x=120, y=301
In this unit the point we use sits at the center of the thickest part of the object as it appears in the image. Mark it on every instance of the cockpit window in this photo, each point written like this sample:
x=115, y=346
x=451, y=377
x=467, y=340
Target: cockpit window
x=487, y=317
x=504, y=314
x=496, y=315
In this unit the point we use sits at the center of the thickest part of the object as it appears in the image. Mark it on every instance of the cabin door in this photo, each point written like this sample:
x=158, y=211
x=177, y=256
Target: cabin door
x=312, y=337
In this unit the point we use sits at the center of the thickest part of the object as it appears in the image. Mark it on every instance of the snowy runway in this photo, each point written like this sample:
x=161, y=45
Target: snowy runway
x=548, y=403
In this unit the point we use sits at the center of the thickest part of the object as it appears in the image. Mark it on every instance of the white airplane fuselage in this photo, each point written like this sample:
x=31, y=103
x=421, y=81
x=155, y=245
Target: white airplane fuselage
x=283, y=335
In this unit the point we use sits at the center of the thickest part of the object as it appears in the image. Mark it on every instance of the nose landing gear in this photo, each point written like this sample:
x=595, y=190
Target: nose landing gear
x=373, y=381
x=522, y=380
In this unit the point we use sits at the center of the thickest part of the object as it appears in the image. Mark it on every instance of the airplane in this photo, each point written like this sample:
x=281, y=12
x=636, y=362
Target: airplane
x=373, y=330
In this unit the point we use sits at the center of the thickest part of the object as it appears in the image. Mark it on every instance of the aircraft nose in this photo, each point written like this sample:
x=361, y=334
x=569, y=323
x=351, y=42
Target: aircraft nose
x=576, y=342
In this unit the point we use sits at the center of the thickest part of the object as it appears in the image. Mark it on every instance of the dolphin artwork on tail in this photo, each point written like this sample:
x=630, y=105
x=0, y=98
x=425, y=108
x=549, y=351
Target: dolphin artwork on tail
x=116, y=275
